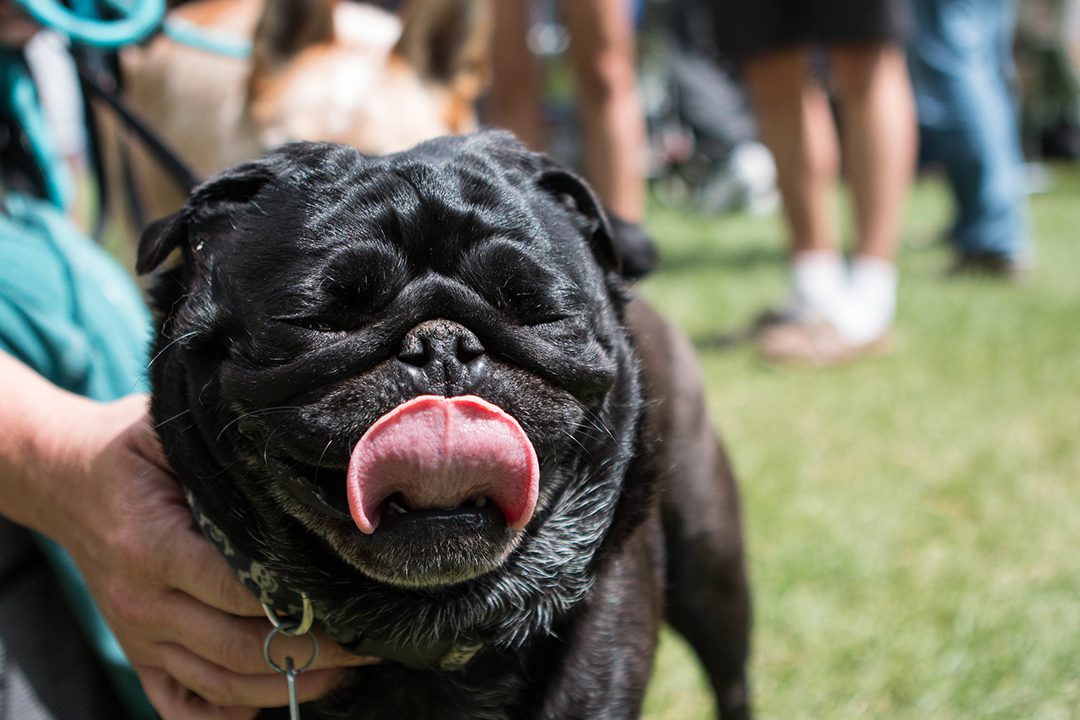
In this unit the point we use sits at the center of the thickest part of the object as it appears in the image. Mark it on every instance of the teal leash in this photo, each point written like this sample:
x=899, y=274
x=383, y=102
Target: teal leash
x=188, y=33
x=133, y=24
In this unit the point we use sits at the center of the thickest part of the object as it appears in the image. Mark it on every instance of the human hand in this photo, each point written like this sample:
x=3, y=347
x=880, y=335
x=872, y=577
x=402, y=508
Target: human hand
x=191, y=630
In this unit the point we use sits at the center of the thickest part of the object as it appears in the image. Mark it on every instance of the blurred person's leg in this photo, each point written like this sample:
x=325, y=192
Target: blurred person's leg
x=612, y=120
x=770, y=40
x=513, y=101
x=879, y=145
x=612, y=124
x=879, y=140
x=796, y=124
x=961, y=66
x=864, y=38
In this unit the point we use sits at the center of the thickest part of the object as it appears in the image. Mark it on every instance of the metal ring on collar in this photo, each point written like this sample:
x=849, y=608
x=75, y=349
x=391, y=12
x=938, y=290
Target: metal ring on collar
x=277, y=668
x=286, y=625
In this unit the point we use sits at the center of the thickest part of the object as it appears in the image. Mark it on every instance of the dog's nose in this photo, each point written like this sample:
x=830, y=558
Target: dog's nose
x=442, y=357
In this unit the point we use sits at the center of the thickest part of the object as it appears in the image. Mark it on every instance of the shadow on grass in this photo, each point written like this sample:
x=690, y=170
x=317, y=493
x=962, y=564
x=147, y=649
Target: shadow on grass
x=731, y=338
x=735, y=259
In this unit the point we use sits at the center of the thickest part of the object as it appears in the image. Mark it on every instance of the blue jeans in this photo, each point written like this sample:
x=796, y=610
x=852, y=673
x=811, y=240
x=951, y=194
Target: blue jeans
x=962, y=71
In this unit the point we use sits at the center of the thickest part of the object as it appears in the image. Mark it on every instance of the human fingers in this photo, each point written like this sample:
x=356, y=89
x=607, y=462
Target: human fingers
x=237, y=644
x=225, y=688
x=173, y=701
x=194, y=566
x=154, y=551
x=185, y=559
x=143, y=435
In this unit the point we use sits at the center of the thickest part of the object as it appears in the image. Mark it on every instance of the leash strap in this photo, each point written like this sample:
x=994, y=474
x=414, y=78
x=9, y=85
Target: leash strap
x=103, y=87
x=194, y=35
x=134, y=23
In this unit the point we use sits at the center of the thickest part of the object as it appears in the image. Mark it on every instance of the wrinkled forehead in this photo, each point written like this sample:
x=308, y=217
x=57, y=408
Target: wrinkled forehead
x=426, y=216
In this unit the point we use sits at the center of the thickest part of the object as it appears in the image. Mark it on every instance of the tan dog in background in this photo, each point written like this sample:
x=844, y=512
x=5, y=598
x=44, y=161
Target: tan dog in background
x=333, y=70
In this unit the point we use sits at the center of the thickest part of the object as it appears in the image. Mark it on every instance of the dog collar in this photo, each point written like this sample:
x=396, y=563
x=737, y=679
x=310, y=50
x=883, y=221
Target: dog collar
x=443, y=655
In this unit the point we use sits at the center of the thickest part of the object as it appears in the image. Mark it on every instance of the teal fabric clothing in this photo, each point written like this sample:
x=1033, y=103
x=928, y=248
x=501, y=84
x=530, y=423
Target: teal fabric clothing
x=19, y=101
x=71, y=313
x=67, y=309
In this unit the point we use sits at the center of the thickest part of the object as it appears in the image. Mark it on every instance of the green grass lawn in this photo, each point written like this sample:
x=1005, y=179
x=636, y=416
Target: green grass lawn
x=913, y=520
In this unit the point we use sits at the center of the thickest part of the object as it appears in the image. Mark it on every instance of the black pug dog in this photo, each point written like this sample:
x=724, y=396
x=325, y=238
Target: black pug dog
x=412, y=394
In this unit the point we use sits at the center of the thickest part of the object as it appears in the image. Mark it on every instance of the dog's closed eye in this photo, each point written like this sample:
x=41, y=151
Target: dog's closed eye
x=315, y=324
x=517, y=285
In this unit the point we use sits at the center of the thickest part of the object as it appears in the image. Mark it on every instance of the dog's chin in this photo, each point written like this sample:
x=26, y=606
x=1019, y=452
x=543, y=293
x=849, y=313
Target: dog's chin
x=414, y=547
x=426, y=548
x=432, y=548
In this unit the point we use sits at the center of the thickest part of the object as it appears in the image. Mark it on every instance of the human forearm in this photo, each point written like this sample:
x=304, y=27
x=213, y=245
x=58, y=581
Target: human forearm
x=91, y=476
x=31, y=406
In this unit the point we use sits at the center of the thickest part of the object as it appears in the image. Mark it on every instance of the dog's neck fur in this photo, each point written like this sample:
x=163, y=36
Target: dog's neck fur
x=277, y=597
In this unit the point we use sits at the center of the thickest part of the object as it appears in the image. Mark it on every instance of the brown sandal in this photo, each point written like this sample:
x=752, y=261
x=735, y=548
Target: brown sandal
x=811, y=340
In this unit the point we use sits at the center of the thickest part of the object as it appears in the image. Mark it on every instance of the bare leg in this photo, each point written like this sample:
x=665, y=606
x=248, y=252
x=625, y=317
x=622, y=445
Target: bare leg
x=879, y=140
x=879, y=147
x=514, y=97
x=796, y=124
x=611, y=118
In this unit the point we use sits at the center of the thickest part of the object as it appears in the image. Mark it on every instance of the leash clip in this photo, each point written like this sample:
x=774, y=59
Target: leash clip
x=291, y=628
x=287, y=625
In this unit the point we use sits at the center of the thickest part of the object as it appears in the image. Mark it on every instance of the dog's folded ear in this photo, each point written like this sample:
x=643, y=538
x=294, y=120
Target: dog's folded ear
x=218, y=194
x=287, y=27
x=578, y=197
x=159, y=239
x=448, y=41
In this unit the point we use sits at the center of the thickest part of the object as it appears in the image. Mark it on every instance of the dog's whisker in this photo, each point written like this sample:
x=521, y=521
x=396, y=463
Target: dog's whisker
x=318, y=465
x=238, y=418
x=266, y=445
x=571, y=436
x=593, y=429
x=183, y=337
x=177, y=416
x=224, y=470
x=597, y=423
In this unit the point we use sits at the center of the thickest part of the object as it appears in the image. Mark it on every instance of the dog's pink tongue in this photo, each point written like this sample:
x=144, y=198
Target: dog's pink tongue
x=439, y=452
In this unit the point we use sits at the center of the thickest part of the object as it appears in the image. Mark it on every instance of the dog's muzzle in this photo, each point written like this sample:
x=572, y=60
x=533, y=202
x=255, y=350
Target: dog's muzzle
x=436, y=453
x=442, y=357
